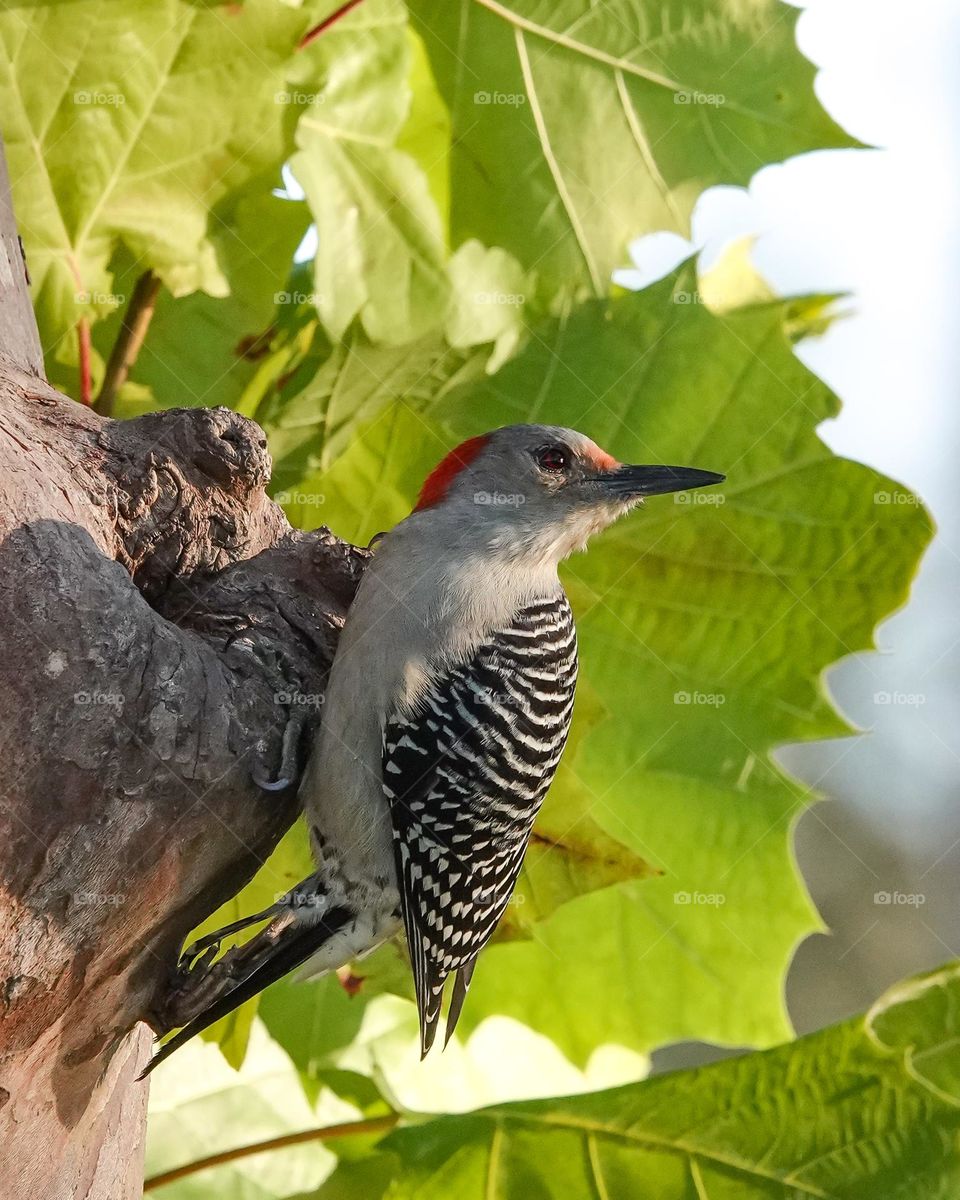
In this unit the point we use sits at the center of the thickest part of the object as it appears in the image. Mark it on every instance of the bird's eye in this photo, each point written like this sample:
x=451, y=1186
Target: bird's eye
x=553, y=458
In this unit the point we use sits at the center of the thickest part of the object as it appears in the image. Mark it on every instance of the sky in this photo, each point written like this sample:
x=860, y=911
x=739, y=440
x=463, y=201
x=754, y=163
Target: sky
x=881, y=225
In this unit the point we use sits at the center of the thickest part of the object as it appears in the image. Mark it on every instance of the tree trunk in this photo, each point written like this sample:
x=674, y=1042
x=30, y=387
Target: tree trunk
x=159, y=614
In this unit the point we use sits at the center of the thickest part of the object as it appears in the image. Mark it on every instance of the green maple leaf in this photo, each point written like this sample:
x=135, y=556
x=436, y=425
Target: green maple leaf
x=577, y=127
x=137, y=127
x=868, y=1108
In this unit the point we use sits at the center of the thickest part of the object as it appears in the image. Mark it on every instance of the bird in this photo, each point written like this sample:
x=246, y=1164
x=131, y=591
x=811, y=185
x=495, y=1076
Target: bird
x=447, y=708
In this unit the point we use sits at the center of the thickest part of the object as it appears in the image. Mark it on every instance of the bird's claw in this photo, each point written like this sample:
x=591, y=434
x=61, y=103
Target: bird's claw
x=200, y=955
x=289, y=766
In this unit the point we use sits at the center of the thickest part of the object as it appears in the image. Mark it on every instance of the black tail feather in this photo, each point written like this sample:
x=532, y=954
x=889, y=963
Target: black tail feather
x=297, y=944
x=460, y=985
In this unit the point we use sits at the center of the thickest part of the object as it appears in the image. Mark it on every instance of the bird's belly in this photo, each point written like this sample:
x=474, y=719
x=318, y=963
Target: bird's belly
x=345, y=810
x=370, y=928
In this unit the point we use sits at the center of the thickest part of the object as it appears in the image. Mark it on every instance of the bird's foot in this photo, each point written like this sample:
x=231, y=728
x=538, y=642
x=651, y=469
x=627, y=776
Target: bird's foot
x=200, y=954
x=289, y=756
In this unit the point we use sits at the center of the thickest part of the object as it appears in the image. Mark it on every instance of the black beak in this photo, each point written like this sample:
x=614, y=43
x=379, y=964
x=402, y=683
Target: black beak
x=631, y=482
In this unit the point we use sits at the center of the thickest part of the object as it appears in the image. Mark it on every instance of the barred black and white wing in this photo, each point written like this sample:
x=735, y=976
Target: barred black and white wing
x=465, y=777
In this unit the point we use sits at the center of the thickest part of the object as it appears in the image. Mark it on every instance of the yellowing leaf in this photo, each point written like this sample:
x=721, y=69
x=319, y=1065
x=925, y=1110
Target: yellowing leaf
x=129, y=124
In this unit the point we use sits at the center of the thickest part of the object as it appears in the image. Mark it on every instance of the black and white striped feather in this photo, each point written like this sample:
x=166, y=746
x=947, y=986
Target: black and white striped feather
x=465, y=776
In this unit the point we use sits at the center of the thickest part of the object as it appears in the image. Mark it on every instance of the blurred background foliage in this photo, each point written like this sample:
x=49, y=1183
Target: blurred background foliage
x=383, y=228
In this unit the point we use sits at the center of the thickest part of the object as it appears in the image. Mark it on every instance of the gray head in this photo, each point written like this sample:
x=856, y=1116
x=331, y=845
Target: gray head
x=539, y=491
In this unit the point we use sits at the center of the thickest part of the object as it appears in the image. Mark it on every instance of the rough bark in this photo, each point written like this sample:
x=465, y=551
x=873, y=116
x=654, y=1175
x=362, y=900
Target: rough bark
x=160, y=620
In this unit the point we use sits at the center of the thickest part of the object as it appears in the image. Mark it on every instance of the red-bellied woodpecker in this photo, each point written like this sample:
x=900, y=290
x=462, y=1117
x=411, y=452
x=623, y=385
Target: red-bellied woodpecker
x=446, y=713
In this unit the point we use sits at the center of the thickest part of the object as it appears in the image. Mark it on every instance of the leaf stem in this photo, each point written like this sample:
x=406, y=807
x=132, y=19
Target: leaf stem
x=326, y=1133
x=136, y=322
x=83, y=345
x=312, y=34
